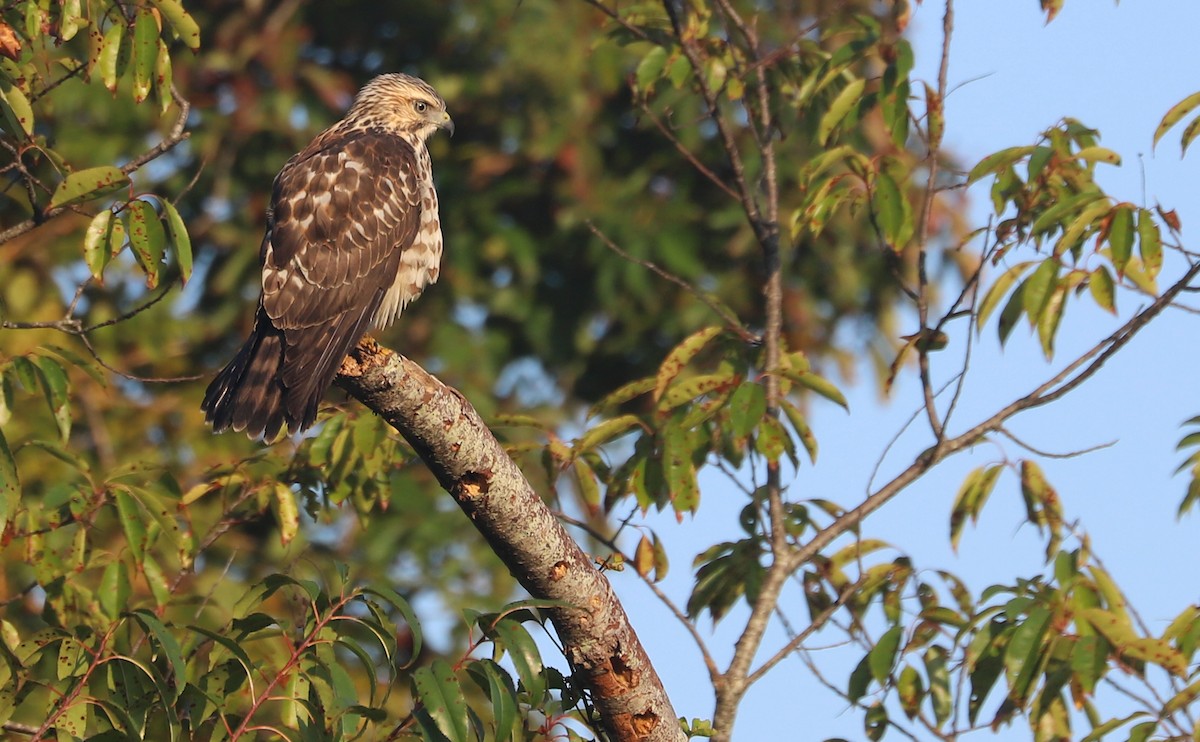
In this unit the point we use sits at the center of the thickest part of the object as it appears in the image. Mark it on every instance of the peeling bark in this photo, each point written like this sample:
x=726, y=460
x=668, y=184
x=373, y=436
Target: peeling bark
x=471, y=465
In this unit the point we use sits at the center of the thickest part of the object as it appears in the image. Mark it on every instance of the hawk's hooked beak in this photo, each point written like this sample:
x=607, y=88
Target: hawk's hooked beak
x=446, y=123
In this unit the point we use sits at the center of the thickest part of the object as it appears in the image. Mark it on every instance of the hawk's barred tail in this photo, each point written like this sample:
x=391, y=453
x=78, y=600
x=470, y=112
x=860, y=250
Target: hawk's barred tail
x=248, y=394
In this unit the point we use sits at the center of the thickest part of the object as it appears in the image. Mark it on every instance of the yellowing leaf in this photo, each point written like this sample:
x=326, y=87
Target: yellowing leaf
x=182, y=23
x=680, y=356
x=1176, y=114
x=83, y=185
x=178, y=233
x=1098, y=154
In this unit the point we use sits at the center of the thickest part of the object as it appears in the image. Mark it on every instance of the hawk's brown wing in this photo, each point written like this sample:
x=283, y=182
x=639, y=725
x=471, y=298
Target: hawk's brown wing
x=342, y=213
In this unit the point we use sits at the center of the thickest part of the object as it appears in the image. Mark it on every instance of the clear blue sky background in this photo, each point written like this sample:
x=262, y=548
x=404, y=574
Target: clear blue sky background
x=1117, y=69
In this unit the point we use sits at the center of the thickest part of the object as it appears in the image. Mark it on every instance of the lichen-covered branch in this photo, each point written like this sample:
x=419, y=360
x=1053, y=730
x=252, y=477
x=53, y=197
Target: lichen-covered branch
x=471, y=465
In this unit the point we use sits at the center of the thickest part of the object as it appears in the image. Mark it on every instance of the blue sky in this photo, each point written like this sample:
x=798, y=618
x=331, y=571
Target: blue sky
x=1117, y=69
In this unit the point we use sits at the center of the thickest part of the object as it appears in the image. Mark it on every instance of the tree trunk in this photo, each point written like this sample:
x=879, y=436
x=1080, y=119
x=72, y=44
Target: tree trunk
x=470, y=463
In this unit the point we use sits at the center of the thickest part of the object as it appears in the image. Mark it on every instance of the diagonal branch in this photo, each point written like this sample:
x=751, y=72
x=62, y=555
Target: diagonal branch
x=468, y=461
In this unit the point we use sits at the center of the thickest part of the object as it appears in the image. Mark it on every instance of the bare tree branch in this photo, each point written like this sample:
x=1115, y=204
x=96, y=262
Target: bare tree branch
x=448, y=434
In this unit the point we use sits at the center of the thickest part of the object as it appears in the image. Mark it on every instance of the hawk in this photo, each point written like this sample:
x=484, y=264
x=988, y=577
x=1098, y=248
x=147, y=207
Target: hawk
x=352, y=237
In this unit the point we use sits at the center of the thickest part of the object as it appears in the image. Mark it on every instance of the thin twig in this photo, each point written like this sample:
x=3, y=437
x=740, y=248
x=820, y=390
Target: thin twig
x=731, y=321
x=688, y=155
x=818, y=622
x=1050, y=455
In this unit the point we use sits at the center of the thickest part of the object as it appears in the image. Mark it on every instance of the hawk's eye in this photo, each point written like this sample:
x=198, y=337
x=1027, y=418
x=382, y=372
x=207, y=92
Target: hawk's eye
x=420, y=106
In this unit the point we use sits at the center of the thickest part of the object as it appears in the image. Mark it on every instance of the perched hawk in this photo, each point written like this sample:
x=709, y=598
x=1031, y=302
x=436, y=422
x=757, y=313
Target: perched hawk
x=352, y=237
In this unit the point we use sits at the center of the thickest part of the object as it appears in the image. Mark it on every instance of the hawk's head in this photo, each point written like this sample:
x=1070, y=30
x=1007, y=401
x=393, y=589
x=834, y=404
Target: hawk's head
x=401, y=103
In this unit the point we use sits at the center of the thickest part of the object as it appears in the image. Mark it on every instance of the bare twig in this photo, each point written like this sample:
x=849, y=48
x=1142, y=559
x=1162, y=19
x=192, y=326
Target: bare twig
x=731, y=321
x=1049, y=454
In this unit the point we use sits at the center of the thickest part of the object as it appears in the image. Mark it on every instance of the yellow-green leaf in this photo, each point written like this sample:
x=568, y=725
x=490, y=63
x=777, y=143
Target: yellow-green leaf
x=287, y=513
x=1176, y=114
x=18, y=114
x=182, y=23
x=997, y=291
x=83, y=185
x=178, y=233
x=1099, y=154
x=145, y=52
x=71, y=20
x=113, y=56
x=680, y=356
x=95, y=243
x=998, y=161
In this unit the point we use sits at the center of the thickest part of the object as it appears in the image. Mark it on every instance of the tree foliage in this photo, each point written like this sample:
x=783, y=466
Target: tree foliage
x=669, y=225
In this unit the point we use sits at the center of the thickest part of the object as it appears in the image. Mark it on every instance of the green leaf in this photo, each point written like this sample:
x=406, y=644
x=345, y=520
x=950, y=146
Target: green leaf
x=939, y=683
x=649, y=70
x=18, y=113
x=1120, y=237
x=115, y=589
x=746, y=408
x=1023, y=655
x=57, y=389
x=84, y=185
x=114, y=56
x=1175, y=115
x=605, y=432
x=182, y=23
x=147, y=238
x=10, y=485
x=678, y=469
x=524, y=655
x=997, y=291
x=497, y=686
x=177, y=231
x=1149, y=242
x=882, y=656
x=163, y=77
x=145, y=52
x=679, y=357
x=998, y=161
x=860, y=679
x=819, y=384
x=130, y=516
x=887, y=205
x=1038, y=289
x=95, y=243
x=972, y=496
x=168, y=646
x=911, y=690
x=841, y=106
x=803, y=431
x=1103, y=289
